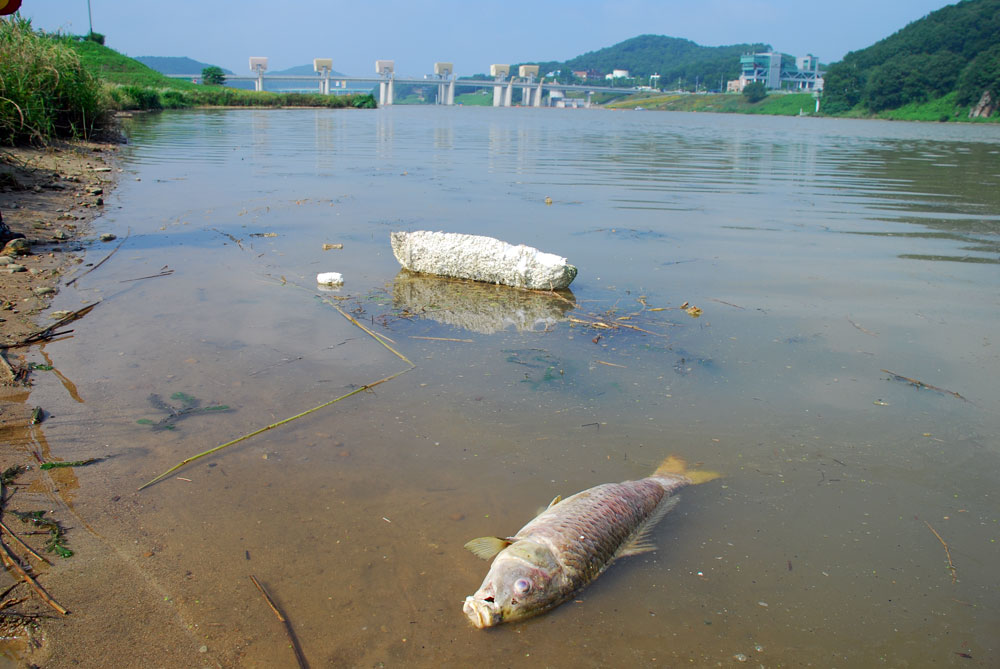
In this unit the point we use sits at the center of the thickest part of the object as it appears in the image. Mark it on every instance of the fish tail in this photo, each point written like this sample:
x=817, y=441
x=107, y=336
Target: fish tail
x=674, y=466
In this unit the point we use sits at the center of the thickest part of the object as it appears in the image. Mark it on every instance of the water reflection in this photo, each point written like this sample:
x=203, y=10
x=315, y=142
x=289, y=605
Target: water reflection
x=478, y=307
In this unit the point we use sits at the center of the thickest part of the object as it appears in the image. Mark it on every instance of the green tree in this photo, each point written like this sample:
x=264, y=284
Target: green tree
x=982, y=74
x=755, y=91
x=213, y=75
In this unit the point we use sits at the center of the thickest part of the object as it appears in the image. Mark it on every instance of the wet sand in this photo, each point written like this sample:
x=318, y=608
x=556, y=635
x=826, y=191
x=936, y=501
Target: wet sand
x=117, y=613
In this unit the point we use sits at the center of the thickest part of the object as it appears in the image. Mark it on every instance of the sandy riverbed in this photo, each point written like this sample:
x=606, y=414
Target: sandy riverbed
x=51, y=196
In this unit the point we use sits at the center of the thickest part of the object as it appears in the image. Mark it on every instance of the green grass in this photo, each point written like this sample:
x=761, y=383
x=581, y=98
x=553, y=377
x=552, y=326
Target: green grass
x=482, y=98
x=782, y=104
x=45, y=89
x=790, y=104
x=130, y=85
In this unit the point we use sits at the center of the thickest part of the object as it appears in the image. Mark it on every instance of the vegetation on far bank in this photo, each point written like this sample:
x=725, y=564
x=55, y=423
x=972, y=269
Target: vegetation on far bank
x=133, y=86
x=789, y=104
x=54, y=86
x=948, y=58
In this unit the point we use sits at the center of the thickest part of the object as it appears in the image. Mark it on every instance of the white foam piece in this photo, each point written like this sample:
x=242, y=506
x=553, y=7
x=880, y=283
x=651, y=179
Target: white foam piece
x=481, y=259
x=329, y=278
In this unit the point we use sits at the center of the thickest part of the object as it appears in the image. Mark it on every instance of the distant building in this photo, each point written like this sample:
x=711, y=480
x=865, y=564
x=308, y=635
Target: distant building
x=768, y=69
x=617, y=74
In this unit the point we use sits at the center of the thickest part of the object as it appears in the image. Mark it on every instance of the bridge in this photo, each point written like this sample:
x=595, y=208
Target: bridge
x=532, y=89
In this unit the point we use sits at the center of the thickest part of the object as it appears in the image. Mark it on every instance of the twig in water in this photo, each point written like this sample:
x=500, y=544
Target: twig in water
x=947, y=553
x=728, y=304
x=165, y=272
x=299, y=656
x=609, y=364
x=921, y=384
x=462, y=341
x=867, y=332
x=12, y=564
x=113, y=251
x=50, y=332
x=17, y=539
x=374, y=336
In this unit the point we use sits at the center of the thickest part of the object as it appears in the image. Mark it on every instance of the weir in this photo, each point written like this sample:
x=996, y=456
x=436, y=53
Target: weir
x=532, y=86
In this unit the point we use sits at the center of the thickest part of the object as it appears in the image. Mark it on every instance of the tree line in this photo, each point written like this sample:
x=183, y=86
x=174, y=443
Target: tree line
x=955, y=49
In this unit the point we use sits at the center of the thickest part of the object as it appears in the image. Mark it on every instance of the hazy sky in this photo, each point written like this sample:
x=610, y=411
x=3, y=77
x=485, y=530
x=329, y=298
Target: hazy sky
x=469, y=33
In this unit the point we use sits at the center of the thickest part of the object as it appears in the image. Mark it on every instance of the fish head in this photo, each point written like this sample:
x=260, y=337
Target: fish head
x=524, y=580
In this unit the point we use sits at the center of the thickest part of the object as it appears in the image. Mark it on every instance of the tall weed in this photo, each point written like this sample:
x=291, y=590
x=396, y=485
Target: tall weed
x=44, y=90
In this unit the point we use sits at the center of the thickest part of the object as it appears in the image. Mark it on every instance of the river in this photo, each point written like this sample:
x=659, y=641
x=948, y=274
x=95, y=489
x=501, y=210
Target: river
x=857, y=520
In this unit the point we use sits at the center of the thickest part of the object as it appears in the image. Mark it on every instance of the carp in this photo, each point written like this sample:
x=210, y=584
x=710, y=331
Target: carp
x=571, y=543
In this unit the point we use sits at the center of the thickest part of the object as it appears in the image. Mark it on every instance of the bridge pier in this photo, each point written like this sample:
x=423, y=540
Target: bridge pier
x=385, y=92
x=385, y=69
x=500, y=74
x=538, y=95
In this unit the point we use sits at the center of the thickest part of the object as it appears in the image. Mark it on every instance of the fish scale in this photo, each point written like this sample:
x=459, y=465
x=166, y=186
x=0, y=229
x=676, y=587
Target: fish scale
x=590, y=527
x=571, y=543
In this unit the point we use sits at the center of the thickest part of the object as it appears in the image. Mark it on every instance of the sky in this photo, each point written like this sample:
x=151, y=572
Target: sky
x=469, y=33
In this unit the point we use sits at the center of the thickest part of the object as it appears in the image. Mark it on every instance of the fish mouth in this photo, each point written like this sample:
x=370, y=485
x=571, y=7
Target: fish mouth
x=482, y=613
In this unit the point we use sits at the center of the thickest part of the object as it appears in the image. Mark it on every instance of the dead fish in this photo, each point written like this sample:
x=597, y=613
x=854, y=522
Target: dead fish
x=571, y=543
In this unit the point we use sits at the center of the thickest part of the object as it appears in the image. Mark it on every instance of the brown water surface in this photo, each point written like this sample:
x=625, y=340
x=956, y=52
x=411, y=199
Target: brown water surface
x=820, y=251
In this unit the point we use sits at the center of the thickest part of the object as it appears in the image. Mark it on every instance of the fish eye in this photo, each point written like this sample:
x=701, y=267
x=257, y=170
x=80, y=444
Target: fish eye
x=522, y=586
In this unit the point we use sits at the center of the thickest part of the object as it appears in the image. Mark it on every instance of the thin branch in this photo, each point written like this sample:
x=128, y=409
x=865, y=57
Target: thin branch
x=13, y=565
x=299, y=655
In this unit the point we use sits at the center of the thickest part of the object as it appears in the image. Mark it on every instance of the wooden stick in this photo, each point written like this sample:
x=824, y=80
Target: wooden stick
x=947, y=553
x=12, y=602
x=609, y=364
x=299, y=655
x=921, y=384
x=269, y=427
x=50, y=332
x=74, y=279
x=462, y=341
x=26, y=577
x=867, y=332
x=3, y=526
x=373, y=335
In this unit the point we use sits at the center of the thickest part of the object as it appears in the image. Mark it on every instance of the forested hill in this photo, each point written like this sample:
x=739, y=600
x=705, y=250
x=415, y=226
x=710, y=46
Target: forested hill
x=670, y=57
x=175, y=65
x=955, y=50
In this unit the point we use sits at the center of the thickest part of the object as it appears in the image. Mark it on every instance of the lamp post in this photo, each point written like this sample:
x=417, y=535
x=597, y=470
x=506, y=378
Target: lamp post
x=90, y=18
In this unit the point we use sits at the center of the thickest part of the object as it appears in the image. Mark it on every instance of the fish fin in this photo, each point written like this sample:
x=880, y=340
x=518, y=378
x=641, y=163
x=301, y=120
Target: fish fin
x=543, y=509
x=487, y=547
x=675, y=466
x=636, y=549
x=640, y=543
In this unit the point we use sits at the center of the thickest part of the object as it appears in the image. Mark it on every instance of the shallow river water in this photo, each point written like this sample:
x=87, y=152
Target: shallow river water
x=858, y=519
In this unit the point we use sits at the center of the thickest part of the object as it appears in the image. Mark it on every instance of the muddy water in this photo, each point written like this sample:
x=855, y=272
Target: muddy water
x=820, y=252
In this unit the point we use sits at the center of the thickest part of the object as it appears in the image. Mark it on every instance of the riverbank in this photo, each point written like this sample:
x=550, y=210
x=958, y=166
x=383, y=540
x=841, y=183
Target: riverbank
x=48, y=198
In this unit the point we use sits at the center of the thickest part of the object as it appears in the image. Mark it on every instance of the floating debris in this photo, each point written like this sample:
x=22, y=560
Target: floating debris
x=921, y=384
x=71, y=463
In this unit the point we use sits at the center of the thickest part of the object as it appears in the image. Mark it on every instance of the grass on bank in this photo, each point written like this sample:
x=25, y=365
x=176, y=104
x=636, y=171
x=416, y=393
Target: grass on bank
x=54, y=86
x=792, y=104
x=45, y=89
x=130, y=85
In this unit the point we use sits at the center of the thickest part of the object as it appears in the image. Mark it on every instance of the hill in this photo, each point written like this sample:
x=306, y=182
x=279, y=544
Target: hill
x=300, y=70
x=679, y=62
x=954, y=51
x=175, y=64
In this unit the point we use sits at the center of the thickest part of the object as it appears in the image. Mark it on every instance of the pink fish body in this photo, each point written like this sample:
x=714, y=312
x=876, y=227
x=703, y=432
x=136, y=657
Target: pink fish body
x=571, y=543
